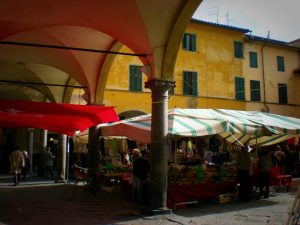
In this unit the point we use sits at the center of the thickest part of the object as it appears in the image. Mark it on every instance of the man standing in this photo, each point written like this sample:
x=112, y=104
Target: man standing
x=49, y=163
x=243, y=164
x=264, y=165
x=141, y=169
x=17, y=163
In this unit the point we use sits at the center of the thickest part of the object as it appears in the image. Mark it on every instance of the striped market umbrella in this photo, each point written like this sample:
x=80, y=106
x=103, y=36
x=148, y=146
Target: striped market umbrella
x=183, y=122
x=252, y=140
x=275, y=124
x=237, y=127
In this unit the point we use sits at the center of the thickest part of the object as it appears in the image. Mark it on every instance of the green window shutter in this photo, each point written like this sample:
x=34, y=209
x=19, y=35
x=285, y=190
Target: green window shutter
x=190, y=83
x=185, y=82
x=253, y=59
x=238, y=49
x=239, y=88
x=255, y=90
x=185, y=41
x=194, y=83
x=135, y=78
x=139, y=79
x=131, y=77
x=189, y=42
x=193, y=42
x=282, y=93
x=280, y=64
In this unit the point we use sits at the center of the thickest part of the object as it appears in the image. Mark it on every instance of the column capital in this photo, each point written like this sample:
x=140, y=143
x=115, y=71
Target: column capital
x=31, y=129
x=159, y=83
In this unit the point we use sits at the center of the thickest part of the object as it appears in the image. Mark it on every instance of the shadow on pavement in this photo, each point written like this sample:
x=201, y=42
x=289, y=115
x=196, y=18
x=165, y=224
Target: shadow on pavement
x=38, y=201
x=44, y=202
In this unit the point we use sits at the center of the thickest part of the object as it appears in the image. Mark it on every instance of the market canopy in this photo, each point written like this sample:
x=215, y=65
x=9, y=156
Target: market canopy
x=276, y=124
x=182, y=122
x=56, y=117
x=202, y=122
x=252, y=140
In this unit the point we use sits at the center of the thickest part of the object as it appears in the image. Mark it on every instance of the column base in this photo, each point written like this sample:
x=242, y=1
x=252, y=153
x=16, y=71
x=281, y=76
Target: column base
x=157, y=212
x=60, y=181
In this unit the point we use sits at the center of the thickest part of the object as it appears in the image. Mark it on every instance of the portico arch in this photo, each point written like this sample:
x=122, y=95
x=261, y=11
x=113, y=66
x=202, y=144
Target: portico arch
x=78, y=37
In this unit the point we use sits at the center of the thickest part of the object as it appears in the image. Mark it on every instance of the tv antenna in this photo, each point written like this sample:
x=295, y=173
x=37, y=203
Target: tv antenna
x=214, y=12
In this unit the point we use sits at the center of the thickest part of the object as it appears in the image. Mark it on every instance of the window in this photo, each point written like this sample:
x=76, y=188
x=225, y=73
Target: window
x=282, y=93
x=255, y=90
x=239, y=88
x=280, y=64
x=135, y=78
x=190, y=83
x=253, y=59
x=189, y=42
x=238, y=50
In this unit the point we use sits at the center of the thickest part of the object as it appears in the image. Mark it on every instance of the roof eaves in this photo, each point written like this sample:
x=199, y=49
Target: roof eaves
x=270, y=41
x=243, y=30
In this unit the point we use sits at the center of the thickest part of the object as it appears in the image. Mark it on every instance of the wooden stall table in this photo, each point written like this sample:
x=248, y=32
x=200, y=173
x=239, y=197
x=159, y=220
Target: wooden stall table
x=186, y=194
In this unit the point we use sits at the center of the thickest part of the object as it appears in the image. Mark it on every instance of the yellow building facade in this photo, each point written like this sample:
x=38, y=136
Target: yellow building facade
x=212, y=71
x=279, y=85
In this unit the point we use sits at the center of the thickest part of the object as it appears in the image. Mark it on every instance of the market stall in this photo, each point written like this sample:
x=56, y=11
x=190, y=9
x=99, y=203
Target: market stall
x=115, y=159
x=185, y=128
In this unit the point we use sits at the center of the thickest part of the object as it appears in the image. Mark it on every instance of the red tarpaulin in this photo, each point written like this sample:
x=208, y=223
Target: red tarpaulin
x=56, y=117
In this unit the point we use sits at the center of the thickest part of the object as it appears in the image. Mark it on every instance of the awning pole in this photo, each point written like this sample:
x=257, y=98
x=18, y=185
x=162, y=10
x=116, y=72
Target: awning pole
x=256, y=147
x=175, y=149
x=237, y=140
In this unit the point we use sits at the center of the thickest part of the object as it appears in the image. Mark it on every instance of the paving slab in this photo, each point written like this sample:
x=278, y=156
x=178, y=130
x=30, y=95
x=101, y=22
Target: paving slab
x=39, y=202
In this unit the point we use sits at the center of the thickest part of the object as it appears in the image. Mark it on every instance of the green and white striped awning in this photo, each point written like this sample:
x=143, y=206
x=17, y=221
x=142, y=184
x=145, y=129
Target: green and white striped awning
x=201, y=122
x=252, y=140
x=275, y=124
x=185, y=122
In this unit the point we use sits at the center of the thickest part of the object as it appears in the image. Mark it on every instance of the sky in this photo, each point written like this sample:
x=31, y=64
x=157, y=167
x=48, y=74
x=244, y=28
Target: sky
x=280, y=17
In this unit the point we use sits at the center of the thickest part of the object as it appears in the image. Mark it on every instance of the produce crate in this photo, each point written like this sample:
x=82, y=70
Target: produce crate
x=224, y=198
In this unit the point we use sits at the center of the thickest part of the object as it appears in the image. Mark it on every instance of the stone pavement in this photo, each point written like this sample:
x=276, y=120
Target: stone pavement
x=39, y=202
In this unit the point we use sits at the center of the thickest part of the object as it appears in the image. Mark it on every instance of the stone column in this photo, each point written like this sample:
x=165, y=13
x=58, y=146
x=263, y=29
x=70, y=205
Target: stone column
x=44, y=139
x=93, y=148
x=30, y=146
x=159, y=148
x=61, y=158
x=93, y=158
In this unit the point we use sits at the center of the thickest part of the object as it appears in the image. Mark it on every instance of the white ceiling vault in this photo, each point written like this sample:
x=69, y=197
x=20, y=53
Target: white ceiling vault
x=50, y=44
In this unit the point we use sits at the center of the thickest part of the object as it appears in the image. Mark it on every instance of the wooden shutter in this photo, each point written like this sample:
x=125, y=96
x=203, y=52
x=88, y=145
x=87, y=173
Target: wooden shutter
x=194, y=83
x=138, y=78
x=135, y=79
x=282, y=93
x=253, y=59
x=239, y=88
x=193, y=42
x=184, y=41
x=238, y=49
x=280, y=64
x=131, y=77
x=185, y=82
x=255, y=90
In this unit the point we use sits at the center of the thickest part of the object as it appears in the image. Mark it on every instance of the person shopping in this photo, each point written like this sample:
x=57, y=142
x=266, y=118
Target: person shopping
x=264, y=165
x=49, y=163
x=17, y=163
x=141, y=169
x=243, y=164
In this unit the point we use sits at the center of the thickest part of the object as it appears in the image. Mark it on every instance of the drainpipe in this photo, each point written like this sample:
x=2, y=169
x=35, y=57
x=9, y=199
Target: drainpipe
x=264, y=79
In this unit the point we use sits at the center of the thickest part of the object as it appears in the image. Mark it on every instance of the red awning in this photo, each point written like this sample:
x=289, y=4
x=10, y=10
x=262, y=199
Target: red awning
x=56, y=117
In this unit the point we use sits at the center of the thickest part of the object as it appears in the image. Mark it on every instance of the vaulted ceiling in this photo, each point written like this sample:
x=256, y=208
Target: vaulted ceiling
x=50, y=44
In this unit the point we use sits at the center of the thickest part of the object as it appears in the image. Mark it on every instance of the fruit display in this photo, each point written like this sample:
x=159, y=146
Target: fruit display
x=204, y=173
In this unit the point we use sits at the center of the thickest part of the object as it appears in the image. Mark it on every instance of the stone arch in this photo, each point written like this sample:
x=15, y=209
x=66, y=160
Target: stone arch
x=130, y=113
